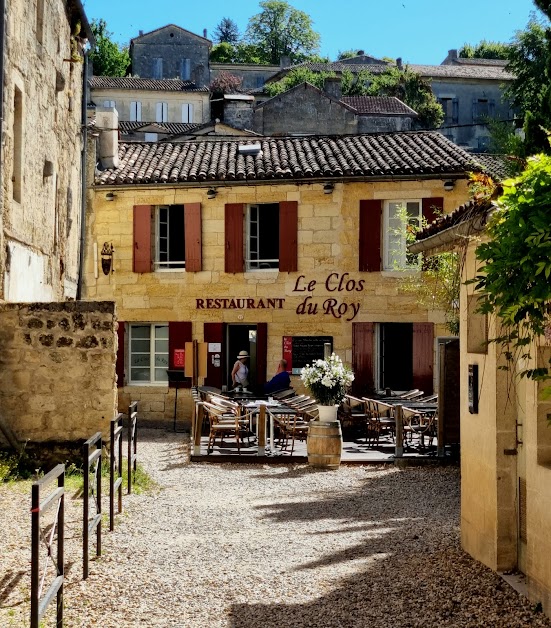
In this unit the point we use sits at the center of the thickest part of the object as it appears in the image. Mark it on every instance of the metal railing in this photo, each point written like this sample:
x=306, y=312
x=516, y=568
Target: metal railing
x=92, y=471
x=115, y=469
x=132, y=443
x=38, y=508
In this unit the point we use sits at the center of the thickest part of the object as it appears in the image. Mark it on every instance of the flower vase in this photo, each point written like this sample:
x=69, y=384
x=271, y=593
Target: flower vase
x=326, y=414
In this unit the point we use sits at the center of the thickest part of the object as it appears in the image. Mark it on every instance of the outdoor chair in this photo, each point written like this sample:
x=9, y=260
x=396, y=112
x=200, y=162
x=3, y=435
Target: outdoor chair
x=292, y=427
x=224, y=423
x=353, y=414
x=420, y=424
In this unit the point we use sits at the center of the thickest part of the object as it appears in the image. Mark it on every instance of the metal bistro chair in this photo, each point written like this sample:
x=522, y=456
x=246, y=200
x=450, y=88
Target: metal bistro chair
x=225, y=424
x=291, y=427
x=353, y=414
x=420, y=424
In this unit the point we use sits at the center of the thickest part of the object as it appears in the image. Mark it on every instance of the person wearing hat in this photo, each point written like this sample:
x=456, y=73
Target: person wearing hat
x=240, y=371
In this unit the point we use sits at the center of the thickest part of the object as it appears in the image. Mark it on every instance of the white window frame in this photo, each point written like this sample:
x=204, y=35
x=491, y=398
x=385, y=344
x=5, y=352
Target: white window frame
x=161, y=112
x=152, y=354
x=252, y=260
x=135, y=111
x=398, y=261
x=162, y=247
x=187, y=112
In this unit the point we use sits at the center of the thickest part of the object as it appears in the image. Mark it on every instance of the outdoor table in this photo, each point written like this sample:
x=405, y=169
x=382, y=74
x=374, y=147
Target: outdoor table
x=253, y=406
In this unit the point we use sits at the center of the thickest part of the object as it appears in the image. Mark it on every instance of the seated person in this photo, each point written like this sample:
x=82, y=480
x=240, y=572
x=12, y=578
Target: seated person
x=280, y=380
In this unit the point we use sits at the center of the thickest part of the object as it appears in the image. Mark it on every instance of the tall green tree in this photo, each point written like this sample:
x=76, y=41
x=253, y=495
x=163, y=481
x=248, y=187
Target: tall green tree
x=227, y=31
x=484, y=50
x=108, y=57
x=279, y=29
x=241, y=52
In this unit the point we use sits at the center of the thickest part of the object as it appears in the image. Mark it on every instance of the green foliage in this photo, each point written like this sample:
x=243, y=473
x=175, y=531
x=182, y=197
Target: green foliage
x=484, y=50
x=505, y=141
x=346, y=54
x=226, y=31
x=296, y=77
x=516, y=262
x=108, y=58
x=412, y=89
x=279, y=30
x=236, y=53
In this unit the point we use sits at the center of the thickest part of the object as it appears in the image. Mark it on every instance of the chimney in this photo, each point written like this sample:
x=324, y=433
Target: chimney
x=107, y=123
x=333, y=87
x=399, y=63
x=360, y=53
x=284, y=61
x=452, y=54
x=205, y=33
x=140, y=34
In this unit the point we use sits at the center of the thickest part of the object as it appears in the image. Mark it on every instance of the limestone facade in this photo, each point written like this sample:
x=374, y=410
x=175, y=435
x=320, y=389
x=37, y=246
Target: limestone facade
x=58, y=369
x=41, y=152
x=326, y=296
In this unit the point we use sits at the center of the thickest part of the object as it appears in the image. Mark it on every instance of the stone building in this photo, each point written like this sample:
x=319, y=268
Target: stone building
x=469, y=90
x=244, y=243
x=57, y=374
x=505, y=433
x=171, y=52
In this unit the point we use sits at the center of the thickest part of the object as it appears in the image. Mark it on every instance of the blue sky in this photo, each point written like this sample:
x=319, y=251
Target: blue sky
x=419, y=31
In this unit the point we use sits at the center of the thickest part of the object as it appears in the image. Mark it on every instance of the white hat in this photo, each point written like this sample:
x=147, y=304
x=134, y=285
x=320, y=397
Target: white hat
x=242, y=354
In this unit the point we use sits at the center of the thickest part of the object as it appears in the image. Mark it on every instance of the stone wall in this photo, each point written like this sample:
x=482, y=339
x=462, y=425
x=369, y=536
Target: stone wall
x=57, y=366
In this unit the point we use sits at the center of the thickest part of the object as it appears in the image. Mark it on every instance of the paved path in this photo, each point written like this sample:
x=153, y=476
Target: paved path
x=287, y=546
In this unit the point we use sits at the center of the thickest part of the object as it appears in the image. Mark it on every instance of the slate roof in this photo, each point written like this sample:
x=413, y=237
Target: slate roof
x=382, y=105
x=470, y=71
x=170, y=128
x=147, y=84
x=424, y=153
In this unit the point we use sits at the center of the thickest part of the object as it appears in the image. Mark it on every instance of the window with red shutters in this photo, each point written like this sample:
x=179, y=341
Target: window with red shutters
x=142, y=238
x=363, y=352
x=288, y=236
x=179, y=332
x=423, y=356
x=193, y=237
x=432, y=208
x=233, y=238
x=369, y=245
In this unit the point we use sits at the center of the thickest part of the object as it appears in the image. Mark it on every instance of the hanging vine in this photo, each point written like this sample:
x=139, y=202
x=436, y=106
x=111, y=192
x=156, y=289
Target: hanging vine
x=516, y=264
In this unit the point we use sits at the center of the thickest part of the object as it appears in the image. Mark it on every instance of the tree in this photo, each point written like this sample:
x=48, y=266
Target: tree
x=226, y=83
x=108, y=57
x=236, y=53
x=227, y=31
x=484, y=50
x=347, y=54
x=413, y=90
x=295, y=77
x=280, y=30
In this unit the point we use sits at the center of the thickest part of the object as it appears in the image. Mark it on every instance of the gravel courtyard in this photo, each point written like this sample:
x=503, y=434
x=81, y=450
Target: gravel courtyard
x=269, y=546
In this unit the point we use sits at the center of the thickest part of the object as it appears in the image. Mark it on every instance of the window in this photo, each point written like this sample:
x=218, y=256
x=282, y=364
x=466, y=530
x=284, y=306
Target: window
x=151, y=137
x=149, y=353
x=484, y=143
x=262, y=237
x=483, y=108
x=167, y=237
x=398, y=216
x=135, y=111
x=17, y=144
x=187, y=112
x=161, y=112
x=170, y=250
x=450, y=107
x=157, y=70
x=185, y=70
x=259, y=81
x=109, y=104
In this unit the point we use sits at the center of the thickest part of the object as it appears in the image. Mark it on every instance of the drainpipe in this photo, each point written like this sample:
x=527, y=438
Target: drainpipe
x=84, y=158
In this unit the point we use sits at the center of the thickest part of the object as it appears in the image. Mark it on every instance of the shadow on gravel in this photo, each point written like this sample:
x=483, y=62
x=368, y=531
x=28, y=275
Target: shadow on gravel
x=409, y=570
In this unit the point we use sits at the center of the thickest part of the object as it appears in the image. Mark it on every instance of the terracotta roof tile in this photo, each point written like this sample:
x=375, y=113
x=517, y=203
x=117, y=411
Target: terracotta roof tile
x=378, y=155
x=147, y=84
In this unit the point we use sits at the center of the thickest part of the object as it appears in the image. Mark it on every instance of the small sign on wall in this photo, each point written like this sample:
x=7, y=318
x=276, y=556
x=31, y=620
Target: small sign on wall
x=179, y=358
x=473, y=388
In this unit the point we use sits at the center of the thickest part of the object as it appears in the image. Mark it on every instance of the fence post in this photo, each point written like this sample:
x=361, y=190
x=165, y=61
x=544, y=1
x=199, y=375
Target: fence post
x=89, y=525
x=38, y=607
x=262, y=430
x=115, y=466
x=198, y=426
x=132, y=443
x=399, y=418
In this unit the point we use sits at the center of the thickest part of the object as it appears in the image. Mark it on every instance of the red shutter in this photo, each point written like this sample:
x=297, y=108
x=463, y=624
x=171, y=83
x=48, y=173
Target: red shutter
x=432, y=208
x=261, y=353
x=233, y=234
x=423, y=356
x=370, y=236
x=142, y=239
x=288, y=236
x=363, y=338
x=178, y=334
x=192, y=226
x=215, y=332
x=120, y=355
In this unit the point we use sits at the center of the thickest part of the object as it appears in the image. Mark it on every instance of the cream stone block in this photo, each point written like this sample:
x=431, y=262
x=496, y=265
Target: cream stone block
x=323, y=236
x=304, y=238
x=315, y=224
x=139, y=302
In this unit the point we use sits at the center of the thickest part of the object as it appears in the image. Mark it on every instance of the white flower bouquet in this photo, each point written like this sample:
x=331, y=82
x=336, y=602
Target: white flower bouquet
x=327, y=380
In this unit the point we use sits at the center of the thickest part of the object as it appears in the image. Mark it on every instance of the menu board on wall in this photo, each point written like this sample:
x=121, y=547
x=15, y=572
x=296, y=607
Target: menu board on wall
x=302, y=350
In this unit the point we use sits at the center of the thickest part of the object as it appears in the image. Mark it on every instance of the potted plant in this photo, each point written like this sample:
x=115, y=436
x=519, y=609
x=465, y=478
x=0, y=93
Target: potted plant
x=327, y=380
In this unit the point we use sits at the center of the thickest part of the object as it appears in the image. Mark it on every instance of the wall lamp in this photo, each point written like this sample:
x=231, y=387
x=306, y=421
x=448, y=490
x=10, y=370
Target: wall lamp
x=211, y=193
x=449, y=185
x=110, y=196
x=107, y=258
x=328, y=188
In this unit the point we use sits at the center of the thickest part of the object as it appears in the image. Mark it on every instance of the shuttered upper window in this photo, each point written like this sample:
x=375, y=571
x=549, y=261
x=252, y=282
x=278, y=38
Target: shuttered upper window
x=135, y=111
x=161, y=112
x=167, y=237
x=187, y=112
x=261, y=237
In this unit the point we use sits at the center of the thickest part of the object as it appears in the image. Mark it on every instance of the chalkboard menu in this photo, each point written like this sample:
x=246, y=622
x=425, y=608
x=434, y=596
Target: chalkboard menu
x=302, y=350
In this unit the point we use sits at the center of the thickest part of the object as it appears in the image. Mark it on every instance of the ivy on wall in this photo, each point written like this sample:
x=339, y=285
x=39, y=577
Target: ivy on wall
x=515, y=276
